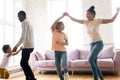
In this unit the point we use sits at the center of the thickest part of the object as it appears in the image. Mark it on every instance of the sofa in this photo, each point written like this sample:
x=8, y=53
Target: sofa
x=108, y=60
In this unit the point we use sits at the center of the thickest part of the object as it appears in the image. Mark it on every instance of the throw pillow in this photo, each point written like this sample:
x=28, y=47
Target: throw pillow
x=106, y=53
x=49, y=54
x=38, y=56
x=73, y=55
x=84, y=53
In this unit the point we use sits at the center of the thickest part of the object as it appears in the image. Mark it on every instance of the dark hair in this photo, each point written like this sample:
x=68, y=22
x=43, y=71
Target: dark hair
x=58, y=25
x=91, y=10
x=22, y=13
x=5, y=48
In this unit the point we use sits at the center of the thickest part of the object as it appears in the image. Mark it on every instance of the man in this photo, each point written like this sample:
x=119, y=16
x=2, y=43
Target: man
x=28, y=45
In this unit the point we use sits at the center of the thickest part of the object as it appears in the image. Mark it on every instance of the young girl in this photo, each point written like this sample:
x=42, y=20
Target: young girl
x=96, y=41
x=59, y=40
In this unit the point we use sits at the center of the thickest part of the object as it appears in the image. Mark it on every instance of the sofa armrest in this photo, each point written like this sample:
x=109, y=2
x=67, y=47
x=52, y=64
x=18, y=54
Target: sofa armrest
x=32, y=61
x=116, y=60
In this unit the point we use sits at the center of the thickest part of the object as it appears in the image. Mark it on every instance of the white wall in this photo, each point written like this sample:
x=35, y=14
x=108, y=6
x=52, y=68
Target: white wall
x=103, y=10
x=37, y=15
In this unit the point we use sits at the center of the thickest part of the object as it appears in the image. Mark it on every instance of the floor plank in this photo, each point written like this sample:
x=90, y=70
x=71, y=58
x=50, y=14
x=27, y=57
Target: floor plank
x=76, y=76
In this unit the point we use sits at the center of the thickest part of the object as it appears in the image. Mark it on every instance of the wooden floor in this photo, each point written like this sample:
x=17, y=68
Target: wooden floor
x=76, y=76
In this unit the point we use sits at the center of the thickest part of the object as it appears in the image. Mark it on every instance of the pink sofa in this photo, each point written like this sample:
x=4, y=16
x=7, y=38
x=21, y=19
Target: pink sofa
x=108, y=60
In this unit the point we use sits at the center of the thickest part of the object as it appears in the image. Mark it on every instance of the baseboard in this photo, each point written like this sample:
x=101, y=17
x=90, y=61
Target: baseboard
x=17, y=74
x=15, y=71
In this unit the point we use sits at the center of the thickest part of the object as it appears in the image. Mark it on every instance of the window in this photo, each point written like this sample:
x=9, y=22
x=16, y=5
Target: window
x=116, y=24
x=8, y=23
x=74, y=31
x=9, y=10
x=1, y=39
x=2, y=9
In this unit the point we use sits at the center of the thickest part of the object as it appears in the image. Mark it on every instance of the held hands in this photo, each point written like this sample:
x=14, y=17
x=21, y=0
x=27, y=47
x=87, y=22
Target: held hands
x=118, y=9
x=16, y=52
x=65, y=14
x=15, y=49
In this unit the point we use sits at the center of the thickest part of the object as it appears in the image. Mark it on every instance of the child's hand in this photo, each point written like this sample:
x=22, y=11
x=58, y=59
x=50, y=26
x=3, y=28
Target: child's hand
x=14, y=53
x=14, y=49
x=65, y=14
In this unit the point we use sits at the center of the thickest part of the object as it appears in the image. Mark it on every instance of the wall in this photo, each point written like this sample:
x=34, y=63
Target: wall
x=103, y=10
x=37, y=15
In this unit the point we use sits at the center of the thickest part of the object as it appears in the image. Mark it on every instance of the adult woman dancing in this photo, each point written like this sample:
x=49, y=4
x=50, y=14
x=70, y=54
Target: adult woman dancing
x=96, y=41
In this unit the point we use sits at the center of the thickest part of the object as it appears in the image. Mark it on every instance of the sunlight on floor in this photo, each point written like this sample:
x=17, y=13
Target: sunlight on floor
x=76, y=76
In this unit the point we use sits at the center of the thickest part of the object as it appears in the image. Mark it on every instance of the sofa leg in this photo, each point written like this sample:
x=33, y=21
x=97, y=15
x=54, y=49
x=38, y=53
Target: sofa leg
x=72, y=72
x=118, y=73
x=35, y=71
x=41, y=72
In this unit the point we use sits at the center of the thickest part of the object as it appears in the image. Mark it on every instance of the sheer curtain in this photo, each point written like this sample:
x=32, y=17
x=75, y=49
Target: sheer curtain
x=7, y=23
x=116, y=24
x=74, y=30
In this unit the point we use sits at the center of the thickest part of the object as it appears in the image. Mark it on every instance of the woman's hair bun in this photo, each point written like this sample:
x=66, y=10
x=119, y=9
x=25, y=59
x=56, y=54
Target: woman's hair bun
x=92, y=8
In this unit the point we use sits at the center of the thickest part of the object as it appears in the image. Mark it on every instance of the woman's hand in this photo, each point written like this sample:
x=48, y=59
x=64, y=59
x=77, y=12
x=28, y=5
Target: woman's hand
x=65, y=14
x=118, y=9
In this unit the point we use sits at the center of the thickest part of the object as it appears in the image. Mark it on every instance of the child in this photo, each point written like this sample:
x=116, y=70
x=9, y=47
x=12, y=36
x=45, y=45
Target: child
x=59, y=40
x=96, y=44
x=7, y=53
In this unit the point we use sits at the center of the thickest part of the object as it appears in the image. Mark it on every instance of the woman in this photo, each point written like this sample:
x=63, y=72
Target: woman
x=92, y=25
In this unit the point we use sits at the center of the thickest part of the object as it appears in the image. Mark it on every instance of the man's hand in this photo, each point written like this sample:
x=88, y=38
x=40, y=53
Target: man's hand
x=15, y=49
x=65, y=14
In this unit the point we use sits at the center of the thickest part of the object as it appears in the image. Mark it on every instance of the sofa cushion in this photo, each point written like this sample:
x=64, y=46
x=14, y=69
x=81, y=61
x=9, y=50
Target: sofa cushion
x=106, y=53
x=79, y=63
x=73, y=55
x=39, y=56
x=45, y=63
x=49, y=54
x=84, y=53
x=48, y=63
x=106, y=63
